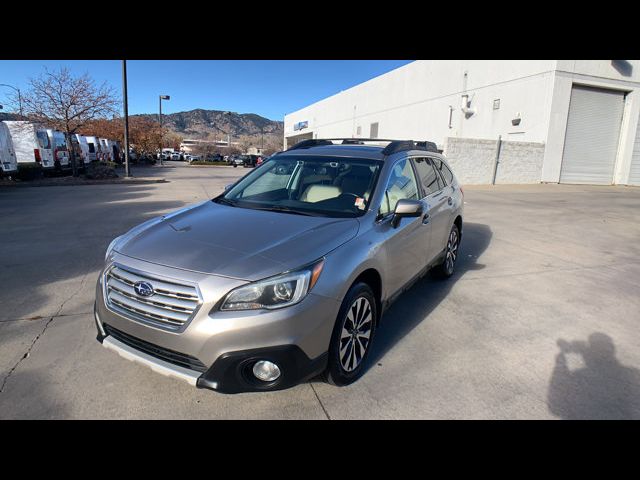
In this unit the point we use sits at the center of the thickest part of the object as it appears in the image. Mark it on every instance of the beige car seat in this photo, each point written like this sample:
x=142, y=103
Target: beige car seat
x=318, y=193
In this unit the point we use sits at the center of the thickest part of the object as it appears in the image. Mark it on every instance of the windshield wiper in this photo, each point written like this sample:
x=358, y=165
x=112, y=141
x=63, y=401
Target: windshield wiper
x=282, y=208
x=225, y=201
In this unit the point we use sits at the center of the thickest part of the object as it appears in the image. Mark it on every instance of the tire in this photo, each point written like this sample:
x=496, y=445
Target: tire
x=447, y=267
x=235, y=166
x=343, y=366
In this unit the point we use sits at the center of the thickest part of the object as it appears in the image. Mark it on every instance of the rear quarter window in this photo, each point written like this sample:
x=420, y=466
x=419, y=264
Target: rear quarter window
x=447, y=174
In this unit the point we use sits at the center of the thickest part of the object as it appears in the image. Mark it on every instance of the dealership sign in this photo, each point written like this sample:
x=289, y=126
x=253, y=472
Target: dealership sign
x=300, y=125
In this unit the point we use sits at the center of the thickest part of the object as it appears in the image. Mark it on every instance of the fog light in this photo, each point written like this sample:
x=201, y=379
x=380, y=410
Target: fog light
x=266, y=371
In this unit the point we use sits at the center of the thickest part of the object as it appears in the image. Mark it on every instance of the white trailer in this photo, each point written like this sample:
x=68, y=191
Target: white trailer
x=31, y=144
x=8, y=162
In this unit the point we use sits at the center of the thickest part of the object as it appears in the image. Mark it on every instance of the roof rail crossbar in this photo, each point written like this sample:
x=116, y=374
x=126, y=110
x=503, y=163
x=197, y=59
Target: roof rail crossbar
x=403, y=145
x=312, y=142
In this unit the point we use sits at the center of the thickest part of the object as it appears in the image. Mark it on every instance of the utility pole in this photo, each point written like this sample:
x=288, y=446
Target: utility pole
x=125, y=104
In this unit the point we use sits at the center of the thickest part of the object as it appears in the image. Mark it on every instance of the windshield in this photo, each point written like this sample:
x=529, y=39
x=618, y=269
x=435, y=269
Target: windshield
x=318, y=186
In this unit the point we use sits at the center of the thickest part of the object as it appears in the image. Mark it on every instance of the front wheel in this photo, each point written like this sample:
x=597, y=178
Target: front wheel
x=447, y=267
x=352, y=336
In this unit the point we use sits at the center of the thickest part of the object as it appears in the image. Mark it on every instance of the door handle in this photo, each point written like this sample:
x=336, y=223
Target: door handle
x=425, y=219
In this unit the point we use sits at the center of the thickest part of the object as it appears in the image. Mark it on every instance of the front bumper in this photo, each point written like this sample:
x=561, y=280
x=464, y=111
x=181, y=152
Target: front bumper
x=224, y=344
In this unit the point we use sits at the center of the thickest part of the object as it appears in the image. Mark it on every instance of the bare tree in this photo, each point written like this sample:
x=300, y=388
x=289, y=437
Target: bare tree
x=64, y=102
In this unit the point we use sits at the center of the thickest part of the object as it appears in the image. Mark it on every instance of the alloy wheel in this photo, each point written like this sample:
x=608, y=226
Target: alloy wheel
x=356, y=334
x=452, y=251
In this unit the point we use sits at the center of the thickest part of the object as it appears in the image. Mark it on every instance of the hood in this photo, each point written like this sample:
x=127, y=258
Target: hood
x=237, y=242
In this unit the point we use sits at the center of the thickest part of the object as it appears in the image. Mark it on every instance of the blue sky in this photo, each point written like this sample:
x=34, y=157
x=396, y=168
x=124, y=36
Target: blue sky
x=270, y=88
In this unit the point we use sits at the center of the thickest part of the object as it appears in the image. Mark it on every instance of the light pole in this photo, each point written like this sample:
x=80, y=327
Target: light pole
x=19, y=95
x=262, y=141
x=229, y=132
x=162, y=97
x=125, y=104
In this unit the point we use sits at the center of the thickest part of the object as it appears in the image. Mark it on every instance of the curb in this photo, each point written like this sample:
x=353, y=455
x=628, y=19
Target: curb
x=115, y=181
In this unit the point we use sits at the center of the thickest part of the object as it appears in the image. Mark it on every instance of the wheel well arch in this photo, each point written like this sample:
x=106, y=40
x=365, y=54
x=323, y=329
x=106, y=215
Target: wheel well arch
x=458, y=223
x=372, y=277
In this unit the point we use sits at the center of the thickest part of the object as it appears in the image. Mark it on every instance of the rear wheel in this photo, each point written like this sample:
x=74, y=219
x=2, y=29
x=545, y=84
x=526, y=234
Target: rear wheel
x=352, y=336
x=447, y=267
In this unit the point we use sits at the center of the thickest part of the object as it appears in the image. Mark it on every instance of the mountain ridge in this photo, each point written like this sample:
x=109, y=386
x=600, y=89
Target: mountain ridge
x=201, y=123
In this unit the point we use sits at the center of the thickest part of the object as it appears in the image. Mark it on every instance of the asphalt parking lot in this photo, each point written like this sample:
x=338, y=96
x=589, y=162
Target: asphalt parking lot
x=540, y=320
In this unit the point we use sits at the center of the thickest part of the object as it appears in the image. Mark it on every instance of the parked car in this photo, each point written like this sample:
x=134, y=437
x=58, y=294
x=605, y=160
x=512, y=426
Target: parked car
x=31, y=144
x=237, y=160
x=250, y=160
x=286, y=274
x=176, y=156
x=194, y=158
x=8, y=162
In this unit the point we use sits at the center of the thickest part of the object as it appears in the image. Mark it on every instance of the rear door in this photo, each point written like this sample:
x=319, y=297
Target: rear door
x=437, y=209
x=7, y=155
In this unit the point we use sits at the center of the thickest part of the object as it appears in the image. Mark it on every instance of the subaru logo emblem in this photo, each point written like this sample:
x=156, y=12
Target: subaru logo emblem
x=144, y=289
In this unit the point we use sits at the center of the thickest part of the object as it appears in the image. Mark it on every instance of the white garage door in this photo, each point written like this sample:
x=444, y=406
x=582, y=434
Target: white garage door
x=593, y=130
x=634, y=175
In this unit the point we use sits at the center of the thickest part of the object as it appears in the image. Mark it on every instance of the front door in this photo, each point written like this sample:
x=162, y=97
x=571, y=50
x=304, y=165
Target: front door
x=404, y=246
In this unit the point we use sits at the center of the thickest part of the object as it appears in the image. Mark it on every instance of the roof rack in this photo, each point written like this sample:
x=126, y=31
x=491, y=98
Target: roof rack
x=392, y=147
x=403, y=145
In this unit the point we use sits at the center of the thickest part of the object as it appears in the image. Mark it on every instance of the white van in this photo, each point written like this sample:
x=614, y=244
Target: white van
x=61, y=155
x=8, y=162
x=88, y=156
x=94, y=148
x=105, y=149
x=30, y=143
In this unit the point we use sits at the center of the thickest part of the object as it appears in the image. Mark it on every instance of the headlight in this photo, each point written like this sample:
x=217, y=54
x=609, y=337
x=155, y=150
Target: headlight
x=275, y=292
x=110, y=247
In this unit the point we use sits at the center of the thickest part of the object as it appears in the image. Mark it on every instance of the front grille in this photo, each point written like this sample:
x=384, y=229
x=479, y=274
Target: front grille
x=170, y=307
x=170, y=356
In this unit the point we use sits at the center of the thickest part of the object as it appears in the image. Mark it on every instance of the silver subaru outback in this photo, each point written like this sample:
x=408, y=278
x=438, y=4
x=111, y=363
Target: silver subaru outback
x=286, y=274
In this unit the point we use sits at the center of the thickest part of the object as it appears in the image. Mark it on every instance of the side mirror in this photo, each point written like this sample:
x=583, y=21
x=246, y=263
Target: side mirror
x=406, y=208
x=227, y=187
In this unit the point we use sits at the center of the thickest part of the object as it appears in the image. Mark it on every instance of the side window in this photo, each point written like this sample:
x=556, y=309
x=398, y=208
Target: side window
x=430, y=180
x=447, y=175
x=401, y=185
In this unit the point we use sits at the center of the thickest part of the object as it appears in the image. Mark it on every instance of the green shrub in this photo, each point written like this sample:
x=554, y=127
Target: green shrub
x=100, y=170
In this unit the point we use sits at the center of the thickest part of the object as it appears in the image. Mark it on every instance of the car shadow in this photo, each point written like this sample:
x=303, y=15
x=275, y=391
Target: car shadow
x=417, y=303
x=599, y=387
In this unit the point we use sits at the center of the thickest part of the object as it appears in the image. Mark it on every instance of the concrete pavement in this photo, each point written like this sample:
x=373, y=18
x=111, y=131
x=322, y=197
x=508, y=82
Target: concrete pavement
x=539, y=264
